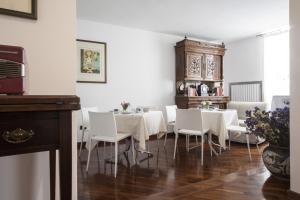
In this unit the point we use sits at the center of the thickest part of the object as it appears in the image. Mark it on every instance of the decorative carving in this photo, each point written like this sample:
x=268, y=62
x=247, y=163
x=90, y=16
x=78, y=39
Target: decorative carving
x=211, y=66
x=194, y=64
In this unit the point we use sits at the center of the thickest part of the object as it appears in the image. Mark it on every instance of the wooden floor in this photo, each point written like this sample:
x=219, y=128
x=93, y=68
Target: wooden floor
x=230, y=176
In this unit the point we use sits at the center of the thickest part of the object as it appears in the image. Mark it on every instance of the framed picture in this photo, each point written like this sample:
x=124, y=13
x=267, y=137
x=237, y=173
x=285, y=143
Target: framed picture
x=91, y=67
x=19, y=8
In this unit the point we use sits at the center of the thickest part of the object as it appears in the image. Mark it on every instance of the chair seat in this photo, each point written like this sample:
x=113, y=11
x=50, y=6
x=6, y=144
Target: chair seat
x=192, y=132
x=237, y=129
x=120, y=136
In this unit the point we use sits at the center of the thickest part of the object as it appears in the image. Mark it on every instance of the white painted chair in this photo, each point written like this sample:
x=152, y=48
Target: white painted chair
x=85, y=123
x=103, y=128
x=189, y=122
x=241, y=130
x=171, y=118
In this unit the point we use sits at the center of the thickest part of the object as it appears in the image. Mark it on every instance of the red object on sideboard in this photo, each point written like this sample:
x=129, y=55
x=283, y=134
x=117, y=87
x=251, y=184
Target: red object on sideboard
x=12, y=70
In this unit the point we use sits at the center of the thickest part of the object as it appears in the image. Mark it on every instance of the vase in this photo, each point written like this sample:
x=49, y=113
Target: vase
x=277, y=161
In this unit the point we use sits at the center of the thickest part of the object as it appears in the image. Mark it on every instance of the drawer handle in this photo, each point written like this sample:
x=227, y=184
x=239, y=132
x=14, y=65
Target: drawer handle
x=17, y=136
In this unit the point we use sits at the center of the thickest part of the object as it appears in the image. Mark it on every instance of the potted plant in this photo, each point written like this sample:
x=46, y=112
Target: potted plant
x=125, y=105
x=274, y=127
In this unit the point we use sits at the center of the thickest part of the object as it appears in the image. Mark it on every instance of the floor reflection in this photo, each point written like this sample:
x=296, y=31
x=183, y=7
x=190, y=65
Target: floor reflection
x=161, y=177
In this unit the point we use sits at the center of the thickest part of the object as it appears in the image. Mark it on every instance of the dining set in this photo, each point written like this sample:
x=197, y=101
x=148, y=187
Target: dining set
x=137, y=127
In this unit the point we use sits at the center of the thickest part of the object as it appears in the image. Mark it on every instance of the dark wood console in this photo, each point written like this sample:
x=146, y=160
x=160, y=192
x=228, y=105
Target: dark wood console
x=33, y=123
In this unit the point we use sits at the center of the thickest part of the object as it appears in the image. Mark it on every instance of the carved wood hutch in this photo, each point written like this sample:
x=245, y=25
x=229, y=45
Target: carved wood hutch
x=199, y=65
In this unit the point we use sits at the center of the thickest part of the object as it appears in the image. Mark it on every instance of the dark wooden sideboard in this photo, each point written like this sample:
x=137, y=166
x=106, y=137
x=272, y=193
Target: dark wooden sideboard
x=33, y=123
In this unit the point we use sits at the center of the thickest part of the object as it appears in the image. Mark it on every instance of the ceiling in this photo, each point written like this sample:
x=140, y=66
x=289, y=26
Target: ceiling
x=212, y=20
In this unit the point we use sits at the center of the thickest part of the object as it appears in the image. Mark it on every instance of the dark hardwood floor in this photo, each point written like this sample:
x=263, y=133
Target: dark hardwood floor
x=231, y=176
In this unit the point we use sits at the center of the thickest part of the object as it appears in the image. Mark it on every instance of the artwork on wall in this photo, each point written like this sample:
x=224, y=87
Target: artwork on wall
x=19, y=8
x=91, y=67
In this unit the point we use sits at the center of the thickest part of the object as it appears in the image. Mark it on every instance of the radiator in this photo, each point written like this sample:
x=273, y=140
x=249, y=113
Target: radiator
x=246, y=91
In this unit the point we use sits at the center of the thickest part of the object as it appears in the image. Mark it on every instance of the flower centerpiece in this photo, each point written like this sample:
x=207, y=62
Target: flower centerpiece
x=274, y=127
x=205, y=104
x=125, y=105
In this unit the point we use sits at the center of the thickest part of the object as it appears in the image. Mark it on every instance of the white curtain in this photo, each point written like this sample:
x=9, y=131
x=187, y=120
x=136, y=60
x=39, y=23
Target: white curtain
x=276, y=66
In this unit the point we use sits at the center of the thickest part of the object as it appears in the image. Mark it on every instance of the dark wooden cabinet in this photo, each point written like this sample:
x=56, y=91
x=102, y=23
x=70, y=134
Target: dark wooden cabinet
x=33, y=123
x=199, y=63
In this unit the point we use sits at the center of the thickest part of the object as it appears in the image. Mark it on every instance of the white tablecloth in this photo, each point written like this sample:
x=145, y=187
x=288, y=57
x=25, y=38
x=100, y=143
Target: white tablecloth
x=141, y=125
x=217, y=121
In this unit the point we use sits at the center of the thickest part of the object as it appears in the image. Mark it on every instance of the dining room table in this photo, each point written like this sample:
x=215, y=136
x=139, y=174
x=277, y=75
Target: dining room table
x=142, y=125
x=217, y=121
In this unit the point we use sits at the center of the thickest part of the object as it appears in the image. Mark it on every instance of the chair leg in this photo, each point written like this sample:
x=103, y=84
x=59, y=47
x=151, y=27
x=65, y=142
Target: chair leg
x=202, y=149
x=116, y=158
x=165, y=138
x=248, y=145
x=188, y=143
x=229, y=140
x=133, y=150
x=157, y=141
x=82, y=137
x=196, y=139
x=97, y=151
x=89, y=156
x=210, y=145
x=175, y=146
x=104, y=144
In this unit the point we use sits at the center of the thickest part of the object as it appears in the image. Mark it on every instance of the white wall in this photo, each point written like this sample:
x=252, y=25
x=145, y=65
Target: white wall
x=295, y=93
x=50, y=49
x=244, y=61
x=140, y=67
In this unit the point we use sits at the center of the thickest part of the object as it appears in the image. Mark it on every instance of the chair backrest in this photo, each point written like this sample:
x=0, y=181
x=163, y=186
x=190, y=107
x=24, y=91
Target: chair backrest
x=171, y=113
x=190, y=119
x=85, y=116
x=103, y=124
x=279, y=102
x=243, y=106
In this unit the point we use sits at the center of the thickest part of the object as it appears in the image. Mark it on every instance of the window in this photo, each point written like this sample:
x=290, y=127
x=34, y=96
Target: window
x=276, y=65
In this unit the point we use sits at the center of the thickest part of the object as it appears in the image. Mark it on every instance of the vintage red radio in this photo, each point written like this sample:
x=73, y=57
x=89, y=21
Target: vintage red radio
x=12, y=70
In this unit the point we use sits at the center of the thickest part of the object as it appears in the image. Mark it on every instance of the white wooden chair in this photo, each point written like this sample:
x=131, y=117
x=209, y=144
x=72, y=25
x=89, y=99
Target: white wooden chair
x=171, y=118
x=85, y=123
x=103, y=128
x=189, y=122
x=241, y=130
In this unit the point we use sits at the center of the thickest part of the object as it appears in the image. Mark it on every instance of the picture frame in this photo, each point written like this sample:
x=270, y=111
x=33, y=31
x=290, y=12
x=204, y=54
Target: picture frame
x=91, y=61
x=19, y=8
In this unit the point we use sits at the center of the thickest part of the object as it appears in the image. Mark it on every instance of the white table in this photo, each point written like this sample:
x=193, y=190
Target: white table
x=141, y=125
x=217, y=121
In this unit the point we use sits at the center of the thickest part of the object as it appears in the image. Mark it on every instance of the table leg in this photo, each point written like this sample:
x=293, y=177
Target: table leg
x=65, y=155
x=52, y=163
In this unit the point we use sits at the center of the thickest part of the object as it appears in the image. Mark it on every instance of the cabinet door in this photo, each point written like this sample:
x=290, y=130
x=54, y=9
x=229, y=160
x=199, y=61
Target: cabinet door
x=212, y=67
x=193, y=65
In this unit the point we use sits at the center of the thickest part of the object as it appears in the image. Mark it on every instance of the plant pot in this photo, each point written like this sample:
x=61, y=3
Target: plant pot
x=277, y=161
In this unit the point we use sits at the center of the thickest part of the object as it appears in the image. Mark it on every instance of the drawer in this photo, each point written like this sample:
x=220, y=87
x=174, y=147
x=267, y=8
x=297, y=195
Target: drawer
x=32, y=130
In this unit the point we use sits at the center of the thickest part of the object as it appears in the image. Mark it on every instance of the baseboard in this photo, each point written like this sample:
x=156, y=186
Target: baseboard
x=293, y=195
